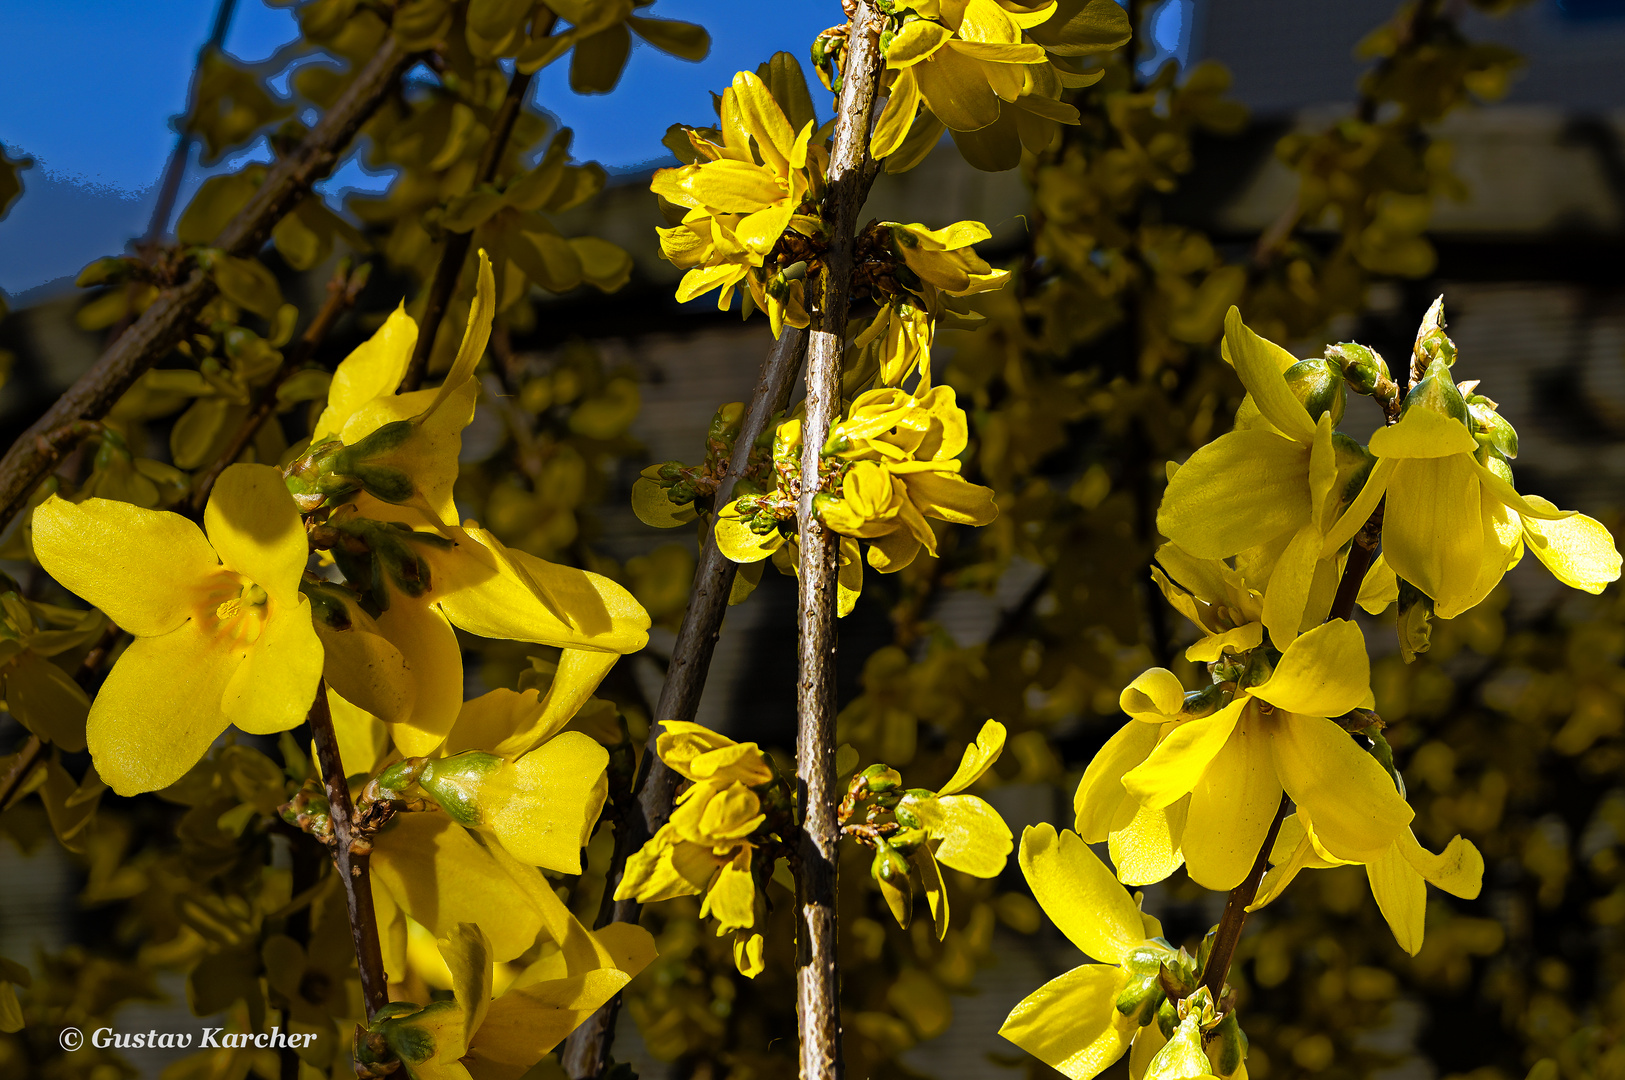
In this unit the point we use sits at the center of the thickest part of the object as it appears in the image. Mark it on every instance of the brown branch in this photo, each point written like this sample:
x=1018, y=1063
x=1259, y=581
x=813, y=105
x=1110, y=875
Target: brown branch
x=586, y=1052
x=169, y=317
x=350, y=857
x=851, y=171
x=342, y=291
x=450, y=268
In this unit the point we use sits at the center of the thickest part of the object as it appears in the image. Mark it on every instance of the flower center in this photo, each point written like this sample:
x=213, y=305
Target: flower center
x=234, y=607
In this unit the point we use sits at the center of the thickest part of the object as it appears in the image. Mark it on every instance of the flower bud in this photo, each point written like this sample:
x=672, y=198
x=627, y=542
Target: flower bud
x=1144, y=960
x=890, y=871
x=881, y=778
x=1319, y=385
x=725, y=424
x=1437, y=392
x=1167, y=1017
x=455, y=783
x=1363, y=367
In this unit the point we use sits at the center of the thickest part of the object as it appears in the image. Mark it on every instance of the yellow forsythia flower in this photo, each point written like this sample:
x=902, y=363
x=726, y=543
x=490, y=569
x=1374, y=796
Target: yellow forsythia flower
x=1275, y=484
x=1453, y=524
x=1233, y=765
x=1073, y=1023
x=222, y=634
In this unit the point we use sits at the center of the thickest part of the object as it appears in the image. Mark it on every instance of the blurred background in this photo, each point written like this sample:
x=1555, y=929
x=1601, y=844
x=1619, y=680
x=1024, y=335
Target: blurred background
x=1512, y=726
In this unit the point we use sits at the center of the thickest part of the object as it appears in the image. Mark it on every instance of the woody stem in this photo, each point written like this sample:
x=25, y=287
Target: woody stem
x=851, y=171
x=350, y=858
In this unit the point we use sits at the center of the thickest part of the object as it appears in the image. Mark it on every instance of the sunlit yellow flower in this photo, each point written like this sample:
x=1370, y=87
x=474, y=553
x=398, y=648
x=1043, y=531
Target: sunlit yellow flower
x=1075, y=1023
x=1399, y=876
x=706, y=847
x=969, y=835
x=1268, y=491
x=897, y=342
x=742, y=197
x=1215, y=597
x=222, y=634
x=1273, y=735
x=1453, y=524
x=944, y=258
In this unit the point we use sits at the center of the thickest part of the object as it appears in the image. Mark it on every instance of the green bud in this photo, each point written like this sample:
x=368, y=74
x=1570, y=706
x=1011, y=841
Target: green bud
x=890, y=871
x=682, y=492
x=1204, y=702
x=384, y=482
x=1140, y=999
x=1226, y=1045
x=671, y=470
x=1491, y=427
x=880, y=778
x=1363, y=367
x=385, y=439
x=796, y=271
x=455, y=783
x=725, y=424
x=1437, y=392
x=1167, y=1018
x=763, y=524
x=327, y=604
x=908, y=841
x=1319, y=385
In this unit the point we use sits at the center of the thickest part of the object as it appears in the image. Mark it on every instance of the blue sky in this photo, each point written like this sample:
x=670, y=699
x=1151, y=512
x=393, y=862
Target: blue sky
x=89, y=87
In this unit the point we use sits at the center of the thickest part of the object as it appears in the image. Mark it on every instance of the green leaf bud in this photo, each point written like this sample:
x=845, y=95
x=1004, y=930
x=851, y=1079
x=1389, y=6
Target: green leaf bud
x=1140, y=999
x=890, y=871
x=1144, y=960
x=881, y=778
x=1167, y=1017
x=384, y=482
x=1319, y=385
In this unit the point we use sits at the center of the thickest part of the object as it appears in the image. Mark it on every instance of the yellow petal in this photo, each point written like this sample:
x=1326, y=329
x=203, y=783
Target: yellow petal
x=898, y=115
x=1100, y=793
x=1433, y=528
x=1148, y=848
x=1079, y=894
x=1070, y=1023
x=139, y=566
x=362, y=737
x=254, y=526
x=1359, y=511
x=1346, y=797
x=467, y=952
x=1241, y=490
x=435, y=662
x=1401, y=895
x=1287, y=594
x=1231, y=810
x=1240, y=639
x=373, y=370
x=159, y=709
x=977, y=758
x=273, y=687
x=731, y=899
x=765, y=121
x=728, y=186
x=1458, y=870
x=1577, y=550
x=956, y=91
x=1177, y=763
x=1155, y=695
x=916, y=41
x=1259, y=364
x=528, y=1021
x=523, y=599
x=509, y=723
x=1323, y=673
x=475, y=335
x=950, y=497
x=975, y=839
x=736, y=541
x=441, y=876
x=1423, y=433
x=363, y=666
x=544, y=806
x=1379, y=589
x=936, y=894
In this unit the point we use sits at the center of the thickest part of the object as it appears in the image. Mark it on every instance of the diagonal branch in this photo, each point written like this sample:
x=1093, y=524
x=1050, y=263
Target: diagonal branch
x=166, y=321
x=586, y=1052
x=851, y=171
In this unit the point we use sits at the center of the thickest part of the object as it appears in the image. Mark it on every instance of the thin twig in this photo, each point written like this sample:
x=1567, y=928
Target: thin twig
x=342, y=291
x=851, y=170
x=450, y=268
x=350, y=858
x=175, y=168
x=169, y=317
x=21, y=762
x=586, y=1052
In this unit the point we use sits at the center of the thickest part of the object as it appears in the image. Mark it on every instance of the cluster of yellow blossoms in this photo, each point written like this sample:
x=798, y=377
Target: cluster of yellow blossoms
x=1260, y=524
x=351, y=565
x=990, y=71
